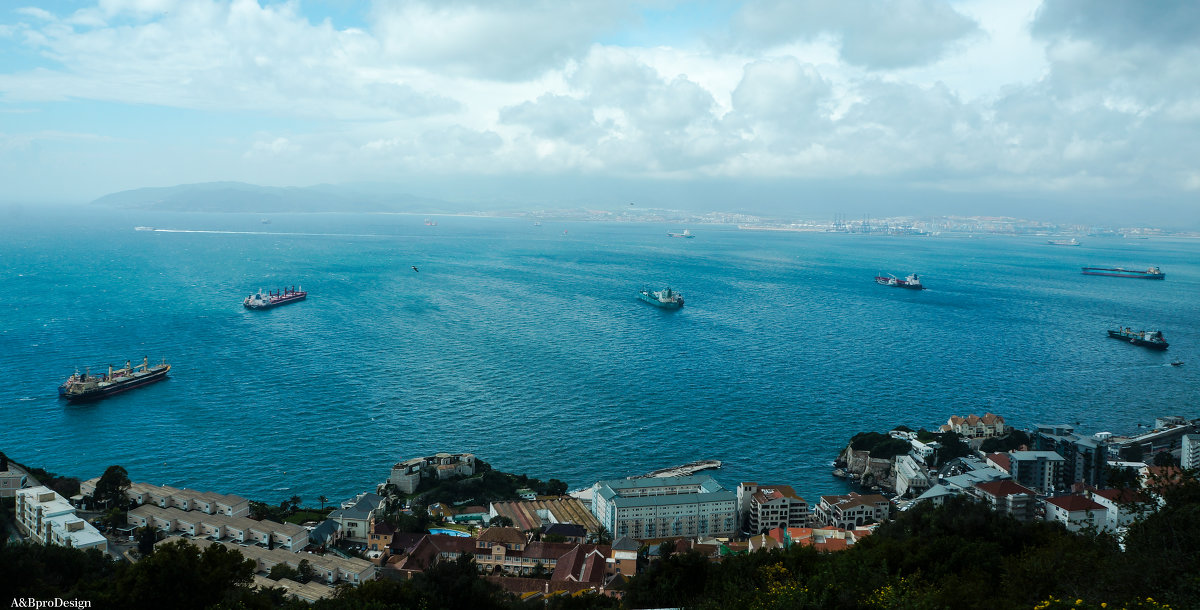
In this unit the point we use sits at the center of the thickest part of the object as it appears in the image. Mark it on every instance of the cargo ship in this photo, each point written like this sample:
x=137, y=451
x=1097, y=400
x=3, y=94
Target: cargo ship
x=1063, y=242
x=85, y=387
x=1152, y=339
x=687, y=234
x=666, y=298
x=912, y=281
x=1153, y=273
x=259, y=300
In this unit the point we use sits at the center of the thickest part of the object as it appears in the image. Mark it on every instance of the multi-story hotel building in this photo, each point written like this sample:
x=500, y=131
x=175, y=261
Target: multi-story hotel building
x=672, y=507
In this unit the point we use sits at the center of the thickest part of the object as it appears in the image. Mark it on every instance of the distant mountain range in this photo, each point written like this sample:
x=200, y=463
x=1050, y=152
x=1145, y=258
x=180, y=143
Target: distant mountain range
x=242, y=197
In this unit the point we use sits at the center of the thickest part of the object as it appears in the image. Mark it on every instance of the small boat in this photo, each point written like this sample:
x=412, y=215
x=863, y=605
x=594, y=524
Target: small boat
x=1063, y=242
x=429, y=222
x=1177, y=363
x=912, y=281
x=1152, y=339
x=687, y=233
x=143, y=228
x=266, y=221
x=259, y=300
x=666, y=298
x=1153, y=273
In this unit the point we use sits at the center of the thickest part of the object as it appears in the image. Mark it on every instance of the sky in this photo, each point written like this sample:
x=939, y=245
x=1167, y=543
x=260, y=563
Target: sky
x=1021, y=107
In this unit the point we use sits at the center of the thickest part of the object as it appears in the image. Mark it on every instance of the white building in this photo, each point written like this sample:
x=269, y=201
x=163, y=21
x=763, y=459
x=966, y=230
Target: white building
x=165, y=496
x=1189, y=455
x=910, y=476
x=852, y=510
x=47, y=518
x=1076, y=512
x=764, y=507
x=665, y=507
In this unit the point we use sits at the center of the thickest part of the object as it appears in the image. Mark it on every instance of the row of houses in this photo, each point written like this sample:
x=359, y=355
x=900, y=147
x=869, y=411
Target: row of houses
x=165, y=496
x=327, y=569
x=238, y=530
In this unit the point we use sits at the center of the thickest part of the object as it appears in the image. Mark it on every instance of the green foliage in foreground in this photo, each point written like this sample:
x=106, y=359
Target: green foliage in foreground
x=956, y=556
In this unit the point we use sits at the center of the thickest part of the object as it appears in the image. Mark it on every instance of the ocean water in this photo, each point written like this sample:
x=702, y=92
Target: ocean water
x=526, y=345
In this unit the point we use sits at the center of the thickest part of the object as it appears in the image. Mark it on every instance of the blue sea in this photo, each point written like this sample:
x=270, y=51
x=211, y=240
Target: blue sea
x=525, y=344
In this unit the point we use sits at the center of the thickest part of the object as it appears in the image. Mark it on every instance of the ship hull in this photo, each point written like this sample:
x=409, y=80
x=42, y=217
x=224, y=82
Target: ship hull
x=156, y=374
x=1156, y=345
x=282, y=301
x=660, y=304
x=1145, y=275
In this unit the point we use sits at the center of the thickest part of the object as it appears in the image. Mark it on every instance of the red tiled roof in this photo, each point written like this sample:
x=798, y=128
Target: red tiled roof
x=1074, y=503
x=999, y=489
x=1124, y=495
x=1003, y=460
x=503, y=535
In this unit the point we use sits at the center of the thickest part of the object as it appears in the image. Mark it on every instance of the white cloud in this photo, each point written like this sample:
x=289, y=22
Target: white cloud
x=1020, y=95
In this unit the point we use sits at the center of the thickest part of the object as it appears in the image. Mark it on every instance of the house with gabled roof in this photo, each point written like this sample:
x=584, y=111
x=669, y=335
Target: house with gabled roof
x=1076, y=512
x=973, y=426
x=355, y=516
x=1123, y=505
x=852, y=510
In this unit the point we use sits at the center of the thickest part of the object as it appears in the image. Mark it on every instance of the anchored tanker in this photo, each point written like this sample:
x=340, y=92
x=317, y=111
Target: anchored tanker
x=80, y=388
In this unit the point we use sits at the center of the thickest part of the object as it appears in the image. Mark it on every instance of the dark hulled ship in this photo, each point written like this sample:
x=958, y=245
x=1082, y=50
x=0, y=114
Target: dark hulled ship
x=1152, y=339
x=84, y=387
x=259, y=300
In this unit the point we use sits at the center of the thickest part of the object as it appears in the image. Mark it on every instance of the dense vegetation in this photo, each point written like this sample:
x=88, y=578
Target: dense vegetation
x=486, y=485
x=958, y=555
x=881, y=446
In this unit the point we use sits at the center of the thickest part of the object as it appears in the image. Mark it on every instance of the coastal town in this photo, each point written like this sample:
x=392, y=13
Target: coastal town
x=537, y=541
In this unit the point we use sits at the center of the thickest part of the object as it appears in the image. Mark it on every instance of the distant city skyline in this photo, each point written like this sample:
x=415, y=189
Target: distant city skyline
x=1053, y=109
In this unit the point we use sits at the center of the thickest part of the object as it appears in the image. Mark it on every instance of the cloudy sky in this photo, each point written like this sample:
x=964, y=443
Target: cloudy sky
x=890, y=106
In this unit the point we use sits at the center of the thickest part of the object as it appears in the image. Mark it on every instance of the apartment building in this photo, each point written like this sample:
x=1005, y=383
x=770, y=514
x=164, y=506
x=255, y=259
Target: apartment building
x=852, y=510
x=770, y=506
x=667, y=507
x=49, y=519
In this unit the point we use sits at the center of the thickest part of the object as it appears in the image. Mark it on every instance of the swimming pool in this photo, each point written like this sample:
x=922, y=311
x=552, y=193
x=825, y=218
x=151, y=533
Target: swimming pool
x=439, y=530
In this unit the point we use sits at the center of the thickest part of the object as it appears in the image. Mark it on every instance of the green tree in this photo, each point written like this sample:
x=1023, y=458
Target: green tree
x=501, y=521
x=178, y=575
x=282, y=570
x=307, y=573
x=322, y=499
x=295, y=502
x=111, y=488
x=603, y=536
x=555, y=487
x=146, y=537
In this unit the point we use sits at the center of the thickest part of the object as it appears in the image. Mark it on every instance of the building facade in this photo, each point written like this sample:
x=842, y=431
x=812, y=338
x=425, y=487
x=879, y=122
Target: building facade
x=407, y=475
x=852, y=510
x=48, y=519
x=671, y=507
x=973, y=426
x=1037, y=470
x=774, y=506
x=1076, y=512
x=1085, y=459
